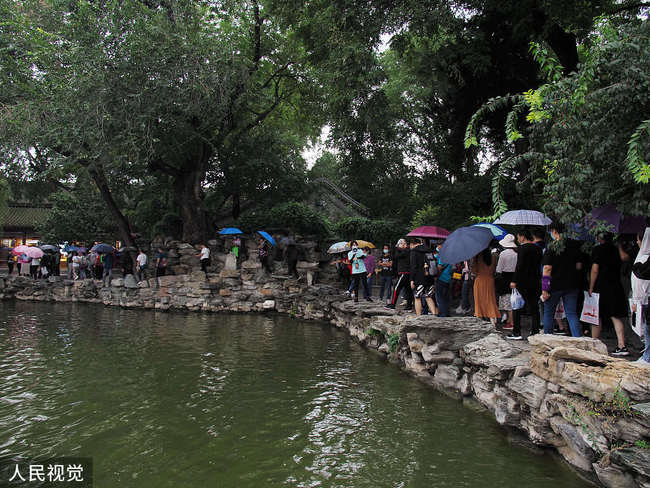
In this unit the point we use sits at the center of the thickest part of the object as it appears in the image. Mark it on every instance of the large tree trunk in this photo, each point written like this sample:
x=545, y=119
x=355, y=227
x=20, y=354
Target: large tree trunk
x=98, y=176
x=188, y=187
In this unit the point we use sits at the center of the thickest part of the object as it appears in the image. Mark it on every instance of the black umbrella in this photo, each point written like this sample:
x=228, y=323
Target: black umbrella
x=49, y=248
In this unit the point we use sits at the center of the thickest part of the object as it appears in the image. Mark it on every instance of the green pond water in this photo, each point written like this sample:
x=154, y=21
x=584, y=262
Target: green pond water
x=200, y=400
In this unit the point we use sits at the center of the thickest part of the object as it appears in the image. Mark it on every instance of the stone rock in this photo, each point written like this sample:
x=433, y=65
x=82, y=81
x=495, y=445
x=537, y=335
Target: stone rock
x=449, y=333
x=185, y=245
x=268, y=305
x=446, y=376
x=384, y=348
x=588, y=373
x=542, y=343
x=143, y=284
x=224, y=292
x=437, y=357
x=611, y=476
x=251, y=264
x=499, y=356
x=117, y=283
x=530, y=389
x=130, y=281
x=584, y=454
x=231, y=263
x=633, y=458
x=304, y=265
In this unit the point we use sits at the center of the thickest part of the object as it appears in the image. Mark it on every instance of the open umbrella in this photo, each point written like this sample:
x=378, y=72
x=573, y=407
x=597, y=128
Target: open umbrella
x=361, y=243
x=267, y=236
x=609, y=215
x=338, y=247
x=49, y=248
x=498, y=232
x=523, y=217
x=229, y=231
x=30, y=251
x=465, y=243
x=102, y=248
x=430, y=232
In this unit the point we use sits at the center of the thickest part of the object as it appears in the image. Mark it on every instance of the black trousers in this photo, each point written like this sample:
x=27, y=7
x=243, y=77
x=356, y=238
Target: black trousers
x=531, y=296
x=292, y=267
x=363, y=278
x=403, y=283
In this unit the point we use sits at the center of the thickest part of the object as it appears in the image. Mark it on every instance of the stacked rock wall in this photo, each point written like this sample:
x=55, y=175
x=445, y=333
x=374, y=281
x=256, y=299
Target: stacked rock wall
x=563, y=393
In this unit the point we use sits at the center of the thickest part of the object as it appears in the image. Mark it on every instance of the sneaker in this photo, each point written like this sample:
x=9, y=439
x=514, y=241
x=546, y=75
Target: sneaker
x=403, y=302
x=368, y=299
x=459, y=310
x=390, y=306
x=561, y=332
x=408, y=310
x=347, y=292
x=621, y=351
x=507, y=326
x=514, y=337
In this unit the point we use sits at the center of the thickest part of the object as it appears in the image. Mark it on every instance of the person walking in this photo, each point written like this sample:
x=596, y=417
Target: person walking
x=10, y=263
x=371, y=264
x=422, y=272
x=204, y=259
x=263, y=254
x=385, y=265
x=561, y=280
x=605, y=279
x=35, y=263
x=141, y=265
x=291, y=255
x=357, y=258
x=161, y=264
x=443, y=285
x=640, y=290
x=107, y=273
x=402, y=266
x=506, y=265
x=485, y=299
x=236, y=245
x=528, y=281
x=465, y=306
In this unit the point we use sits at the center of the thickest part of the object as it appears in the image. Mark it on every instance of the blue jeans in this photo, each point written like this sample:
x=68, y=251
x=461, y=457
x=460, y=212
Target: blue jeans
x=442, y=298
x=646, y=351
x=570, y=300
x=369, y=285
x=386, y=284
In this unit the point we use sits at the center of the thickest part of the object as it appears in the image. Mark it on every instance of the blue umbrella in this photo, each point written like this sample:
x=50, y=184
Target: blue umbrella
x=267, y=236
x=498, y=232
x=465, y=243
x=71, y=248
x=228, y=231
x=103, y=248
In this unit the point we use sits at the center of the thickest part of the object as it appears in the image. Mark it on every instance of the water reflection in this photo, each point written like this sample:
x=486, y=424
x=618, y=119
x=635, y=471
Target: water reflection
x=187, y=400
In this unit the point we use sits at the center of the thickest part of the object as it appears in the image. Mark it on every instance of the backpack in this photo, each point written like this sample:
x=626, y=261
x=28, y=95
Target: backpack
x=430, y=265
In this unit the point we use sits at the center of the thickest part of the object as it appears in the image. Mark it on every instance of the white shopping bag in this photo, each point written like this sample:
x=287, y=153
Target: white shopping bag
x=590, y=309
x=637, y=319
x=516, y=300
x=559, y=310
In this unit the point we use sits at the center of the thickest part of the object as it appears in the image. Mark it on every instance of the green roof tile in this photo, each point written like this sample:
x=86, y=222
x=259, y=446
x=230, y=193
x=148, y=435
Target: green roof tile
x=22, y=217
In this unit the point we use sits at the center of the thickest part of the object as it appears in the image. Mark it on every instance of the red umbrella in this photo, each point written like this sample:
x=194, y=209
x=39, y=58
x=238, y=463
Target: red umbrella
x=429, y=231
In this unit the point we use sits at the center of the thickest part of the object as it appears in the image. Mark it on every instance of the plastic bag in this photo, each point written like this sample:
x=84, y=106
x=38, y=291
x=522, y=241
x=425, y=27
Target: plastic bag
x=590, y=312
x=516, y=300
x=559, y=310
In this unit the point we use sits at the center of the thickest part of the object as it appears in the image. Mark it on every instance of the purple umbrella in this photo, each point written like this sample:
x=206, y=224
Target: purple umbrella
x=620, y=224
x=429, y=231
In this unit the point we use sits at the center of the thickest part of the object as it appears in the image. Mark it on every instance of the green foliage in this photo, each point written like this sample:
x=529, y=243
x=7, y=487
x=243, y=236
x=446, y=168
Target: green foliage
x=374, y=333
x=393, y=342
x=642, y=444
x=295, y=216
x=377, y=231
x=427, y=215
x=587, y=141
x=78, y=215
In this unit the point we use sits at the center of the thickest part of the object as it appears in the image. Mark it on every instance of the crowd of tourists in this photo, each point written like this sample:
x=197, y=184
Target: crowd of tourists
x=520, y=274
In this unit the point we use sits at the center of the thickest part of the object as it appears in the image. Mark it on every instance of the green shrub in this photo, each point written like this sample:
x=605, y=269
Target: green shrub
x=377, y=231
x=293, y=216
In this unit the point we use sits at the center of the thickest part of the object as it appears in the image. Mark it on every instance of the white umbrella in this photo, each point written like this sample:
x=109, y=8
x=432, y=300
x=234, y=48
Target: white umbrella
x=523, y=217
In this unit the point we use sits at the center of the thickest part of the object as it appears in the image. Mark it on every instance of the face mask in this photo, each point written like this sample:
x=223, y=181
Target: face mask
x=553, y=237
x=355, y=249
x=385, y=251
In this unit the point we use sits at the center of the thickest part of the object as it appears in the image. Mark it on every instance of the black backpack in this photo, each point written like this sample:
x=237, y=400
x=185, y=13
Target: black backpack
x=430, y=265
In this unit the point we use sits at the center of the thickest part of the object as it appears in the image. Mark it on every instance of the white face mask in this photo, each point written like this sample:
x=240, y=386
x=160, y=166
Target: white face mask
x=355, y=248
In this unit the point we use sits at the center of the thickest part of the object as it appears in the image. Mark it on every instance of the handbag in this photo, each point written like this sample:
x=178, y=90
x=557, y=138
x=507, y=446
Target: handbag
x=590, y=312
x=517, y=302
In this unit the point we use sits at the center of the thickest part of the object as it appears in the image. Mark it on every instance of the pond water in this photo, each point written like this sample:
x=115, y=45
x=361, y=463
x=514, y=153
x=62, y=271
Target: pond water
x=198, y=400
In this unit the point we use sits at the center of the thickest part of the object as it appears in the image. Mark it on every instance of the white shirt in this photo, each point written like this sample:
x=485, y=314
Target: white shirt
x=36, y=261
x=76, y=261
x=205, y=253
x=141, y=259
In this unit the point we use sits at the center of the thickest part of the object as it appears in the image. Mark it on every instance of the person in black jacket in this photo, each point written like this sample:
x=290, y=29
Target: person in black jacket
x=402, y=265
x=528, y=281
x=424, y=269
